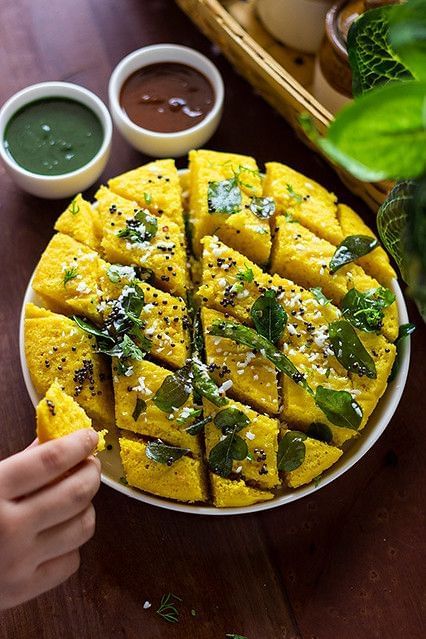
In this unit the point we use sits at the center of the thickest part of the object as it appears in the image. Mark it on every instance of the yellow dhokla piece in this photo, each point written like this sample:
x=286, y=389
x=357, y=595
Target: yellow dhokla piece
x=183, y=481
x=78, y=221
x=261, y=437
x=299, y=408
x=319, y=457
x=164, y=315
x=56, y=349
x=142, y=384
x=242, y=230
x=58, y=415
x=164, y=254
x=67, y=276
x=155, y=186
x=377, y=262
x=303, y=257
x=228, y=493
x=304, y=200
x=247, y=376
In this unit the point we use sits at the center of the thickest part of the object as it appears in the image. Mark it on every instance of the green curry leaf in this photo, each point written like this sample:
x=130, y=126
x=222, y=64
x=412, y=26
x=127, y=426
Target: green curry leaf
x=349, y=350
x=230, y=419
x=291, y=451
x=174, y=391
x=320, y=431
x=350, y=249
x=404, y=331
x=339, y=407
x=268, y=316
x=364, y=309
x=164, y=454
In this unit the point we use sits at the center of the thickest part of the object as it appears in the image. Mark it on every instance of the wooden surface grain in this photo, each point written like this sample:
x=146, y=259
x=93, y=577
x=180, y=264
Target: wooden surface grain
x=347, y=562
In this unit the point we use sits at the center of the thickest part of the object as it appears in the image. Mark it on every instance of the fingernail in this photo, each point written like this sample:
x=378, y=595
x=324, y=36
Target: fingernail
x=93, y=437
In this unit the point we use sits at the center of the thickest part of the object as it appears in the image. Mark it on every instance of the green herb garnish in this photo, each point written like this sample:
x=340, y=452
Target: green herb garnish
x=174, y=391
x=404, y=331
x=197, y=427
x=365, y=309
x=242, y=276
x=224, y=196
x=291, y=451
x=229, y=421
x=230, y=418
x=268, y=316
x=349, y=350
x=352, y=248
x=205, y=385
x=339, y=407
x=140, y=228
x=116, y=272
x=320, y=431
x=70, y=274
x=263, y=207
x=167, y=609
x=163, y=453
x=319, y=296
x=296, y=196
x=233, y=636
x=190, y=413
x=147, y=197
x=140, y=407
x=73, y=207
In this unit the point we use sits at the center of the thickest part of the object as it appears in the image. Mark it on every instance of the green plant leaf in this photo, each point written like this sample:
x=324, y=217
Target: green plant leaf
x=197, y=427
x=224, y=196
x=190, y=414
x=140, y=407
x=349, y=350
x=373, y=61
x=339, y=407
x=382, y=134
x=239, y=448
x=116, y=272
x=392, y=220
x=291, y=451
x=142, y=227
x=174, y=391
x=164, y=454
x=364, y=309
x=220, y=458
x=350, y=249
x=404, y=331
x=320, y=431
x=407, y=35
x=269, y=317
x=205, y=385
x=263, y=207
x=231, y=419
x=91, y=329
x=319, y=296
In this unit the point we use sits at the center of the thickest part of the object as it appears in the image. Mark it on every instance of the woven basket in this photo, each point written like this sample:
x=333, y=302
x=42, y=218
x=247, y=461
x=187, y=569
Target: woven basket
x=271, y=68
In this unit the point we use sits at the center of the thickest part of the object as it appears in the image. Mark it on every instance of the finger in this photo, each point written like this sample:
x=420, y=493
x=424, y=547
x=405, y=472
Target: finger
x=35, y=442
x=53, y=572
x=67, y=536
x=65, y=499
x=32, y=469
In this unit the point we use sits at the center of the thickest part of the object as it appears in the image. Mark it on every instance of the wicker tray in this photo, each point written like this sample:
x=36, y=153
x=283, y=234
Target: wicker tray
x=281, y=75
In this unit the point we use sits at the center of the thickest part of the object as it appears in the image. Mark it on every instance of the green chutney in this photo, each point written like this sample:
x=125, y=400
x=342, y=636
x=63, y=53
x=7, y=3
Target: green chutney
x=53, y=136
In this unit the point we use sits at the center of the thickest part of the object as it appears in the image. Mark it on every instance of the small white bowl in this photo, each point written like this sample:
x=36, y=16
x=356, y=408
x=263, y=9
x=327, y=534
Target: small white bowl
x=67, y=184
x=154, y=143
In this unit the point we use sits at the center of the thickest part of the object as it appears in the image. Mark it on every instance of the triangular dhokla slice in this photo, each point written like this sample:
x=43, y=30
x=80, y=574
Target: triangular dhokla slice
x=135, y=410
x=67, y=277
x=79, y=221
x=155, y=186
x=242, y=374
x=241, y=229
x=58, y=414
x=184, y=480
x=377, y=262
x=319, y=457
x=165, y=316
x=261, y=437
x=234, y=493
x=56, y=349
x=164, y=253
x=304, y=258
x=299, y=197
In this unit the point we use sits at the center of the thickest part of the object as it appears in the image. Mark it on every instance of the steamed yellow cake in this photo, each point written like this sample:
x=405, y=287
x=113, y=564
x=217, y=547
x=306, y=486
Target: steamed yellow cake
x=56, y=349
x=67, y=277
x=183, y=480
x=79, y=221
x=241, y=228
x=58, y=414
x=228, y=493
x=155, y=186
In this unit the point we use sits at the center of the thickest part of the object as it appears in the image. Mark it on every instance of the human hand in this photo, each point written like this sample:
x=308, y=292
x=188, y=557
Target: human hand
x=45, y=514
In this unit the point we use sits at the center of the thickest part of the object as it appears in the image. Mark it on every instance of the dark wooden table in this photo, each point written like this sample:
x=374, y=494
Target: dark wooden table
x=346, y=563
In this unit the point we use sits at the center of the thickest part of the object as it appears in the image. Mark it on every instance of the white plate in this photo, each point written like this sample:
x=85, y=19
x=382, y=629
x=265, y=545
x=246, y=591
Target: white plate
x=112, y=469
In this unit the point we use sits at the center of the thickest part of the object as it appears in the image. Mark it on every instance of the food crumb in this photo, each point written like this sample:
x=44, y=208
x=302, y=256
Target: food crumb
x=147, y=605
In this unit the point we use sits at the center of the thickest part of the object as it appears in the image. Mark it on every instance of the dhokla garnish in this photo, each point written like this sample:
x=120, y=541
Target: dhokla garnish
x=305, y=258
x=300, y=198
x=182, y=480
x=58, y=414
x=164, y=317
x=231, y=376
x=56, y=349
x=242, y=373
x=154, y=186
x=138, y=410
x=79, y=220
x=237, y=426
x=133, y=236
x=303, y=459
x=226, y=199
x=67, y=277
